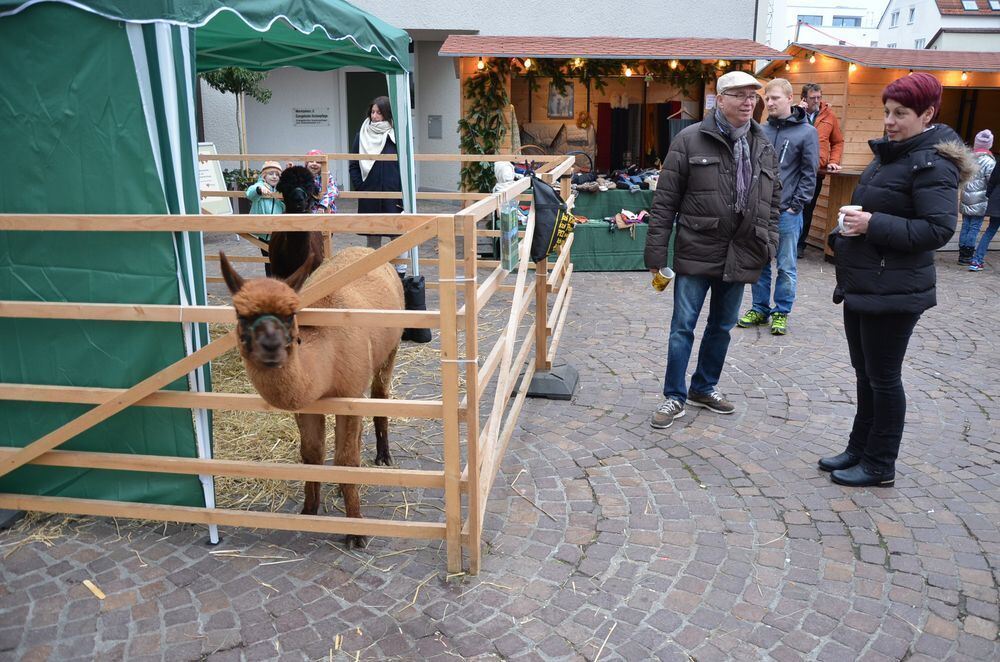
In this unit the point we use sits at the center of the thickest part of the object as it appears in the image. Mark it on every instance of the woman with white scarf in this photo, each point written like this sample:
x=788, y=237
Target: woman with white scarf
x=376, y=136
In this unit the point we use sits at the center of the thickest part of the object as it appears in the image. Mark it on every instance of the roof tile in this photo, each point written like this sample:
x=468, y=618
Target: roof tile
x=905, y=58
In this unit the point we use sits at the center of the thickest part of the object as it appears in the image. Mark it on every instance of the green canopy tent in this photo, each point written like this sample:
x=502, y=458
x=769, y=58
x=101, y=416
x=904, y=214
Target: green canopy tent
x=98, y=117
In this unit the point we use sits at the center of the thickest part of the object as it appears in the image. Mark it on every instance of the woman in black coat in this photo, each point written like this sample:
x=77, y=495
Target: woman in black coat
x=885, y=266
x=376, y=136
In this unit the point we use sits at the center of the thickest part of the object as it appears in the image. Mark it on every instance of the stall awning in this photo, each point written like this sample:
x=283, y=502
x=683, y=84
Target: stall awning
x=608, y=48
x=906, y=58
x=264, y=34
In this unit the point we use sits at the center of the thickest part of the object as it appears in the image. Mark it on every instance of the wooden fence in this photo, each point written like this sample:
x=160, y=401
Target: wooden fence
x=461, y=294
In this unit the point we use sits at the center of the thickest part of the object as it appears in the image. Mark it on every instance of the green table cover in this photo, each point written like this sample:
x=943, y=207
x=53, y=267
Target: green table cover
x=595, y=247
x=609, y=203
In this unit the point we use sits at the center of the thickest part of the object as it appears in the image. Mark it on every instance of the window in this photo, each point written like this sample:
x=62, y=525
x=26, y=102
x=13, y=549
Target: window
x=890, y=45
x=911, y=15
x=894, y=19
x=919, y=43
x=970, y=5
x=847, y=21
x=874, y=44
x=810, y=19
x=995, y=5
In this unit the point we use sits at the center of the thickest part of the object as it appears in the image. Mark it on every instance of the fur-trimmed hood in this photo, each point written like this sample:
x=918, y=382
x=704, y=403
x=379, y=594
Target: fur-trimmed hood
x=959, y=154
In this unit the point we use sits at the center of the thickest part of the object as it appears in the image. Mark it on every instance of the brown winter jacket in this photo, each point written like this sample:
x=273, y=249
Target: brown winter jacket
x=698, y=186
x=831, y=139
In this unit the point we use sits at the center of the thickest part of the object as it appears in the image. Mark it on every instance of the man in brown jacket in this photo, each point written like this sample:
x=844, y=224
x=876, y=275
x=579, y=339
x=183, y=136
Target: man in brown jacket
x=831, y=148
x=720, y=185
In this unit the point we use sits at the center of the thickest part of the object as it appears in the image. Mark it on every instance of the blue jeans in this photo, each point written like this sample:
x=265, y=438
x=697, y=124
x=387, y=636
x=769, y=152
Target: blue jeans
x=723, y=310
x=970, y=230
x=789, y=227
x=984, y=243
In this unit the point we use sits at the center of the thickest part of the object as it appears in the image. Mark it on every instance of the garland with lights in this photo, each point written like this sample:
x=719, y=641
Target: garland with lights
x=482, y=129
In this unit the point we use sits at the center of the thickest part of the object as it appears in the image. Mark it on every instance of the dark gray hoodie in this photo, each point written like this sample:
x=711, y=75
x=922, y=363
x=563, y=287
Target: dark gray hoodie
x=797, y=145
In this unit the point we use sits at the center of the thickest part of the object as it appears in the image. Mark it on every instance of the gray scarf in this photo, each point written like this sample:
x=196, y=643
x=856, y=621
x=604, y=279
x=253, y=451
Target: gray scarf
x=741, y=154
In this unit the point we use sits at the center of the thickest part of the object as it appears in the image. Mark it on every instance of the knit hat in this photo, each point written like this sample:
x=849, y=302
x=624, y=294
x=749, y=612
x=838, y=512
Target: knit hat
x=984, y=140
x=315, y=152
x=268, y=165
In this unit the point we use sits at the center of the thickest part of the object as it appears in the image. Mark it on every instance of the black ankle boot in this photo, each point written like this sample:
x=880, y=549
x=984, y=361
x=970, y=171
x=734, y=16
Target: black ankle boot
x=859, y=476
x=965, y=254
x=843, y=461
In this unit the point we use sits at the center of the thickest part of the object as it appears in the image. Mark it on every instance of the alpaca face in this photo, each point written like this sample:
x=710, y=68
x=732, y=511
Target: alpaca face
x=267, y=339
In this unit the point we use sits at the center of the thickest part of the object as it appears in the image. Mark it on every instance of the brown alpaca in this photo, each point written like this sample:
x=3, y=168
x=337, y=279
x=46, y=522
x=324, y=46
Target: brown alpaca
x=292, y=367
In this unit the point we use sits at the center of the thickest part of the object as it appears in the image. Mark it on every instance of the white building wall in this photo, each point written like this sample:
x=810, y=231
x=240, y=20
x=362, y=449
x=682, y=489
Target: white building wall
x=562, y=18
x=219, y=117
x=982, y=43
x=786, y=14
x=926, y=22
x=437, y=93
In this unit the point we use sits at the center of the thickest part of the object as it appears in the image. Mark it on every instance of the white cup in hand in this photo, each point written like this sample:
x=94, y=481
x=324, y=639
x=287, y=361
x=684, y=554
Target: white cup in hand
x=840, y=220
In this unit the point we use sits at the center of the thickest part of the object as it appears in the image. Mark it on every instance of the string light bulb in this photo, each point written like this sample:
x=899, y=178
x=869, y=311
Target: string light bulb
x=788, y=66
x=673, y=64
x=527, y=63
x=722, y=63
x=812, y=59
x=628, y=72
x=852, y=68
x=577, y=62
x=965, y=76
x=480, y=65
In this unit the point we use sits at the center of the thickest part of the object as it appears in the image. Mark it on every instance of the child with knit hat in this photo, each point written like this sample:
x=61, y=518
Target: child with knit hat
x=974, y=199
x=265, y=200
x=327, y=202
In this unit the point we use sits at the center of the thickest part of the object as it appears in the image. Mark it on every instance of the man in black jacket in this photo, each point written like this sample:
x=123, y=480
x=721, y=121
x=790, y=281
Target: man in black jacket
x=797, y=145
x=720, y=183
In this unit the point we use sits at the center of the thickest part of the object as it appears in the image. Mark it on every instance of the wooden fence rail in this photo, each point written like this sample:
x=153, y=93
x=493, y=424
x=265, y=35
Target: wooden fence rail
x=459, y=406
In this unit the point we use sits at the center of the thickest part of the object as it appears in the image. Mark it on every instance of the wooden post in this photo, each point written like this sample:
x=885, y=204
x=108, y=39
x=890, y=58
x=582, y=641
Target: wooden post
x=541, y=312
x=469, y=268
x=449, y=389
x=324, y=177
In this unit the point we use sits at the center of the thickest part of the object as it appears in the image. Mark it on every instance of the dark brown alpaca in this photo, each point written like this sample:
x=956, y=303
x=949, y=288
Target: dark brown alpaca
x=289, y=250
x=292, y=367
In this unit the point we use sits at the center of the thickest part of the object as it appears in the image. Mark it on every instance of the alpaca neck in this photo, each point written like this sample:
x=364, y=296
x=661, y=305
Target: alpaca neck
x=294, y=385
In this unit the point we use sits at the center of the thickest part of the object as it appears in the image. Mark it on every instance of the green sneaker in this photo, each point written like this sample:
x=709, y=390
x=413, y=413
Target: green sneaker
x=752, y=317
x=779, y=324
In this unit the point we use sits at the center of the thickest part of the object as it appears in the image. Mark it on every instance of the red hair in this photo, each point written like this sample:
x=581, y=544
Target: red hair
x=918, y=92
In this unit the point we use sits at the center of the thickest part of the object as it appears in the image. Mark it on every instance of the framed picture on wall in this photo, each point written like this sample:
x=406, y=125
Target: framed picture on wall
x=560, y=105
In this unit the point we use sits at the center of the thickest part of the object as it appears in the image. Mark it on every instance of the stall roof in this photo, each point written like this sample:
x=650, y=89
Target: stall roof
x=904, y=58
x=608, y=48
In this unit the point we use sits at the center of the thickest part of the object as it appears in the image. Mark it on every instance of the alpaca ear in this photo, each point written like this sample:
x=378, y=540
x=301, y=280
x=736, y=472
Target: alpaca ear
x=298, y=279
x=233, y=280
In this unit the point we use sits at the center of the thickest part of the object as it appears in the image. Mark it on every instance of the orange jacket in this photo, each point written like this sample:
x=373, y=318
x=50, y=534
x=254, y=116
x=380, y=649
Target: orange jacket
x=831, y=140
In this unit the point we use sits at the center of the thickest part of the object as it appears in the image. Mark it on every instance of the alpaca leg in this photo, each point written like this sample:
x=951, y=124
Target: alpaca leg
x=348, y=454
x=382, y=388
x=312, y=432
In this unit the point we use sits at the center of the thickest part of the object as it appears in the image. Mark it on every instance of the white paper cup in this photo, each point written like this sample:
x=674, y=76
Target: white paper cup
x=840, y=219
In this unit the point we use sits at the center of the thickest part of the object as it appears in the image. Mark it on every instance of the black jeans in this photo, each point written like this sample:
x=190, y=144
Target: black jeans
x=807, y=213
x=877, y=344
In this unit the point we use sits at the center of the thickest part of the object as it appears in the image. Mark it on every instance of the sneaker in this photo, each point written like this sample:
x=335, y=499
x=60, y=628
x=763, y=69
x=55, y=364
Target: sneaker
x=714, y=401
x=779, y=324
x=664, y=417
x=753, y=317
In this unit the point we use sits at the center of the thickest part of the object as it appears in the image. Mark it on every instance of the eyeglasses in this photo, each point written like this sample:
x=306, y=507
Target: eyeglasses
x=744, y=96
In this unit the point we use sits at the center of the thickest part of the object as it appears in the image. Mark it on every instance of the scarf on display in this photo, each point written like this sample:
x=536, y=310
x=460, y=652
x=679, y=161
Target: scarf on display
x=741, y=154
x=371, y=140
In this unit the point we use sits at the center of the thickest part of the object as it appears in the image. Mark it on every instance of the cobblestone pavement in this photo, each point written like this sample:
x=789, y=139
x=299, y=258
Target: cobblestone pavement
x=716, y=539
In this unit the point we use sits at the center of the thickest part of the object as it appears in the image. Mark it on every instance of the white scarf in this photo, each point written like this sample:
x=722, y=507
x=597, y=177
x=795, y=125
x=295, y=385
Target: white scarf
x=371, y=140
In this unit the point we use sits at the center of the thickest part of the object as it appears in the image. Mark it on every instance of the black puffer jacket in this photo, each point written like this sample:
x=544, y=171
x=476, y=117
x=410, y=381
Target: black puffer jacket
x=698, y=186
x=911, y=189
x=993, y=195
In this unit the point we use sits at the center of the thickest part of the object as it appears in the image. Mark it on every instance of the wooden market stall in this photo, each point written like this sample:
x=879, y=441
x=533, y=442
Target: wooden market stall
x=853, y=78
x=615, y=102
